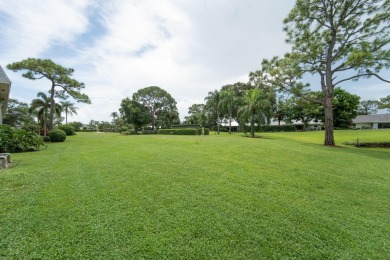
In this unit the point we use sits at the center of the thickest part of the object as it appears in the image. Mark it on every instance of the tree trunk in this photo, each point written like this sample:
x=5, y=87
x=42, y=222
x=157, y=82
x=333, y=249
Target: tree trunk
x=253, y=126
x=328, y=109
x=218, y=122
x=51, y=113
x=230, y=123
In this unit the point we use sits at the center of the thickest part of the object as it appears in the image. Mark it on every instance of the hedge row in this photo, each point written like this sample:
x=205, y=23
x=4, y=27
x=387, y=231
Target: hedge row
x=276, y=128
x=187, y=131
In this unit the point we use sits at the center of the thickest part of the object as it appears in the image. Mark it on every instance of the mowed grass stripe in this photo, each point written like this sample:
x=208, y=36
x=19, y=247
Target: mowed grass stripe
x=218, y=196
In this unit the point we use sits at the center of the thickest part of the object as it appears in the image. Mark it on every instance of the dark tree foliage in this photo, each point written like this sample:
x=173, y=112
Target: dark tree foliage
x=17, y=114
x=160, y=104
x=135, y=113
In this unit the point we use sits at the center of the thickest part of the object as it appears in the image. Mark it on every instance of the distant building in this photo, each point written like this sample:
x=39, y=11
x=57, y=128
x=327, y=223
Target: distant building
x=312, y=125
x=5, y=87
x=372, y=122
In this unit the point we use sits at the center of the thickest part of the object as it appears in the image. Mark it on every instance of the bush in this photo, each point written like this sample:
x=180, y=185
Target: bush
x=148, y=132
x=199, y=131
x=191, y=131
x=17, y=140
x=46, y=138
x=57, y=135
x=276, y=128
x=129, y=132
x=123, y=129
x=87, y=130
x=68, y=129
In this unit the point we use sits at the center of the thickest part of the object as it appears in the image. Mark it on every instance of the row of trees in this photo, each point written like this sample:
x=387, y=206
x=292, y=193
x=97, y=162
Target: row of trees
x=20, y=114
x=257, y=105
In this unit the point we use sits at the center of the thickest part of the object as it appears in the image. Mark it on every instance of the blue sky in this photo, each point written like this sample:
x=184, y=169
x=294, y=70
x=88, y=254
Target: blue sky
x=116, y=47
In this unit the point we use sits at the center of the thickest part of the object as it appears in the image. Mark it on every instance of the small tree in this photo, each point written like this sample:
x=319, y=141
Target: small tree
x=213, y=104
x=228, y=99
x=41, y=106
x=254, y=108
x=62, y=85
x=69, y=109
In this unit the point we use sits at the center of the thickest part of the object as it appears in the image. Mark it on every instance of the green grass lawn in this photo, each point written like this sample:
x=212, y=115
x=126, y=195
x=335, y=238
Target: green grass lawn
x=220, y=196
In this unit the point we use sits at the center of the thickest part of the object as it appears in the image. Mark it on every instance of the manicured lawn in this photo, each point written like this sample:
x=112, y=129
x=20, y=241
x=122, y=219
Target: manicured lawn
x=219, y=196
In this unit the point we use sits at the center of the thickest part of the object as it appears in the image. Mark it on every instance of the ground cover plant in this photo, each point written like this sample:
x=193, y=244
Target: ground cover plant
x=105, y=195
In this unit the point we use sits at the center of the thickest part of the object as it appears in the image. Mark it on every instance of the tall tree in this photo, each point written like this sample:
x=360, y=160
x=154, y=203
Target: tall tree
x=156, y=100
x=213, y=104
x=228, y=99
x=368, y=107
x=62, y=85
x=135, y=113
x=69, y=108
x=255, y=107
x=41, y=106
x=339, y=41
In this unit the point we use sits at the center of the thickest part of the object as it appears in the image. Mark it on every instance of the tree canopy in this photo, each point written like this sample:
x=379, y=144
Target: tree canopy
x=134, y=113
x=62, y=85
x=160, y=104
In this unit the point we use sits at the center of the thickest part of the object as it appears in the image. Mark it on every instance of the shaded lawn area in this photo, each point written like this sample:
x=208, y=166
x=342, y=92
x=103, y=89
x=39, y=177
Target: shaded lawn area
x=217, y=196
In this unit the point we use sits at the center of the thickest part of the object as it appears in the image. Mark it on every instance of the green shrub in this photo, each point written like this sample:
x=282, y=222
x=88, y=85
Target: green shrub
x=68, y=129
x=57, y=135
x=199, y=131
x=17, y=140
x=129, y=132
x=46, y=138
x=87, y=130
x=276, y=128
x=148, y=132
x=124, y=129
x=191, y=131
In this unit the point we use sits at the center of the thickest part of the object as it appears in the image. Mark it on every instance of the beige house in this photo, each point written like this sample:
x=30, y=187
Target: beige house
x=5, y=87
x=372, y=122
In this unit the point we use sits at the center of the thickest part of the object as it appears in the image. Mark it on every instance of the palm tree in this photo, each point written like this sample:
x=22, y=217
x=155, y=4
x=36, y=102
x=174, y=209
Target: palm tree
x=41, y=107
x=213, y=101
x=255, y=106
x=228, y=98
x=114, y=116
x=69, y=109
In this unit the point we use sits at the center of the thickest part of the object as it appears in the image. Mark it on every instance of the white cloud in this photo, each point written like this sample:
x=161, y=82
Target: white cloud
x=31, y=27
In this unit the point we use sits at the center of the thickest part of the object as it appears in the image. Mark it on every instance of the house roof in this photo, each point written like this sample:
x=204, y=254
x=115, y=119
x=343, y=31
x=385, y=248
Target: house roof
x=371, y=119
x=3, y=77
x=297, y=122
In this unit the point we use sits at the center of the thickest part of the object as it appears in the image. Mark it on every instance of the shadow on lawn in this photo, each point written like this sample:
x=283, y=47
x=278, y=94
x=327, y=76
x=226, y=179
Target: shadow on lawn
x=377, y=153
